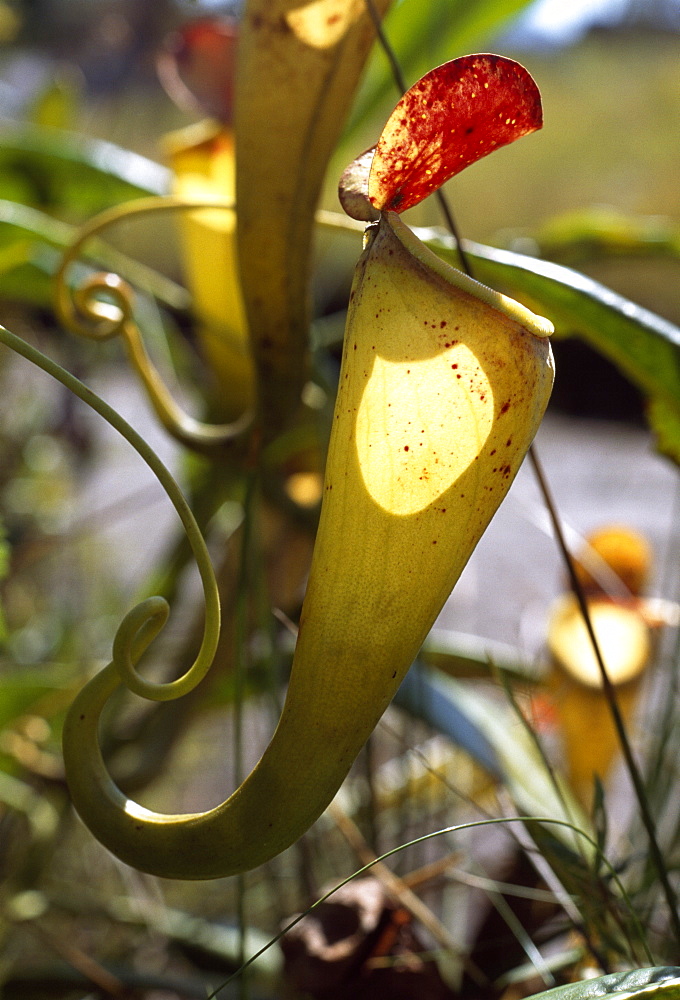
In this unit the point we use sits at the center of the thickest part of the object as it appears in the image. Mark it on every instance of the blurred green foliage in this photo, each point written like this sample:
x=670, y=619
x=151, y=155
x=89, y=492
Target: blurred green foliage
x=598, y=185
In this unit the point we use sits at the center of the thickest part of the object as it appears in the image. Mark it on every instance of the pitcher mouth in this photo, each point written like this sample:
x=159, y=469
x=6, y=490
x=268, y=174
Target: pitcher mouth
x=537, y=325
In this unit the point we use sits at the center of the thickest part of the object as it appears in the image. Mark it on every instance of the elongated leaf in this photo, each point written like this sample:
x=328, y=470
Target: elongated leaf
x=30, y=253
x=220, y=941
x=644, y=346
x=598, y=232
x=26, y=271
x=61, y=171
x=664, y=417
x=69, y=171
x=421, y=698
x=298, y=68
x=601, y=902
x=660, y=983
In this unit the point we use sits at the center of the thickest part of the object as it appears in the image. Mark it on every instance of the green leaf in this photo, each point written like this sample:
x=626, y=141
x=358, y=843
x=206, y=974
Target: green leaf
x=645, y=347
x=664, y=418
x=600, y=231
x=600, y=901
x=660, y=983
x=60, y=170
x=56, y=170
x=30, y=253
x=600, y=817
x=220, y=941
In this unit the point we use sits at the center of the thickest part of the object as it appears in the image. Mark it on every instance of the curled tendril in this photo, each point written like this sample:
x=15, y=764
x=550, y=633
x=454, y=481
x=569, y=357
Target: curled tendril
x=102, y=307
x=143, y=623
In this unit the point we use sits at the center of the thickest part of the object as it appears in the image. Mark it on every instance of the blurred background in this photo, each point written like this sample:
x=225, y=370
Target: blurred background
x=84, y=524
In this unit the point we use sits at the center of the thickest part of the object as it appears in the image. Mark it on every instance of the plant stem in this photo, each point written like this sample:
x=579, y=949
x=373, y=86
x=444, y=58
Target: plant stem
x=395, y=68
x=453, y=229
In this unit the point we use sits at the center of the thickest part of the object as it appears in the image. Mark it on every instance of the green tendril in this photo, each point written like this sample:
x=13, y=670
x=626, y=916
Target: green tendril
x=102, y=307
x=141, y=625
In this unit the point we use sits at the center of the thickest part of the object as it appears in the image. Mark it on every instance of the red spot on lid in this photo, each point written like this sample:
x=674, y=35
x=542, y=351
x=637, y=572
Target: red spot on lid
x=455, y=115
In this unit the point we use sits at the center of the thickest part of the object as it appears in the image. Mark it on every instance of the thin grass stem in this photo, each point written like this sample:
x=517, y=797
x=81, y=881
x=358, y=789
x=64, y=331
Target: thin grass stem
x=610, y=694
x=424, y=838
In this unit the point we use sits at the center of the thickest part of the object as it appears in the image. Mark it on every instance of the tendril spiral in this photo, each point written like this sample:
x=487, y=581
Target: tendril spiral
x=144, y=622
x=103, y=307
